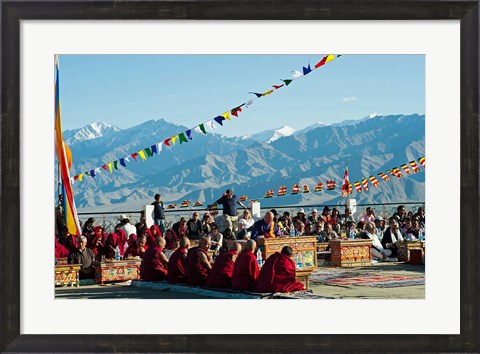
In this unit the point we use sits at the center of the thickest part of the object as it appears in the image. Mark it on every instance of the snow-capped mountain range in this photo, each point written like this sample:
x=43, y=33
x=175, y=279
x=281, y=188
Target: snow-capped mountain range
x=207, y=165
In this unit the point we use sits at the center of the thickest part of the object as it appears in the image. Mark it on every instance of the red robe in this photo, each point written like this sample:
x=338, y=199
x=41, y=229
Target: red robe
x=122, y=241
x=177, y=266
x=132, y=251
x=278, y=275
x=112, y=240
x=60, y=250
x=152, y=266
x=222, y=271
x=245, y=272
x=170, y=238
x=155, y=230
x=196, y=272
x=150, y=237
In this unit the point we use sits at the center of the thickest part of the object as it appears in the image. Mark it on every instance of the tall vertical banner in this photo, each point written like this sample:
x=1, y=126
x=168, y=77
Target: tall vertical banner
x=64, y=157
x=346, y=183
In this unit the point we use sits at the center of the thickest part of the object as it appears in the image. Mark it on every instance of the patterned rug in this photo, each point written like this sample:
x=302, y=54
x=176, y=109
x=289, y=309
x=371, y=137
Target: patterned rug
x=358, y=278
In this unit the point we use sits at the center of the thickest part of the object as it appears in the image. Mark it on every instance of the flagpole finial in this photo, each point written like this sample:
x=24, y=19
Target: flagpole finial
x=56, y=61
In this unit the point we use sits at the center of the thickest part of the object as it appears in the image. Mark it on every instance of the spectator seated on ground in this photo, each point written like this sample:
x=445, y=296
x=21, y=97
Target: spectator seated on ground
x=245, y=224
x=278, y=274
x=84, y=256
x=177, y=264
x=216, y=239
x=199, y=264
x=245, y=270
x=299, y=228
x=180, y=228
x=222, y=270
x=194, y=227
x=377, y=248
x=171, y=238
x=328, y=234
x=154, y=265
x=391, y=236
x=309, y=230
x=266, y=227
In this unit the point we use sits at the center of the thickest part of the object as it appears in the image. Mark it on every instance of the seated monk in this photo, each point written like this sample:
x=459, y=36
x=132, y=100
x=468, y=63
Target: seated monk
x=222, y=271
x=60, y=250
x=266, y=227
x=245, y=271
x=145, y=231
x=111, y=245
x=138, y=248
x=177, y=264
x=199, y=264
x=154, y=265
x=155, y=230
x=96, y=242
x=278, y=274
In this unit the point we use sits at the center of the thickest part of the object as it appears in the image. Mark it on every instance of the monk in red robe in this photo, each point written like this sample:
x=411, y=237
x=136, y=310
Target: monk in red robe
x=177, y=264
x=122, y=241
x=138, y=248
x=111, y=245
x=145, y=231
x=155, y=230
x=60, y=250
x=245, y=271
x=199, y=264
x=278, y=274
x=171, y=238
x=222, y=271
x=154, y=265
x=96, y=242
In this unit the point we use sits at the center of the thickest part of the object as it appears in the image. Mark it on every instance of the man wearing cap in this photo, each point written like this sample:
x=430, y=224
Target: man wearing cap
x=229, y=202
x=300, y=216
x=379, y=227
x=313, y=217
x=159, y=213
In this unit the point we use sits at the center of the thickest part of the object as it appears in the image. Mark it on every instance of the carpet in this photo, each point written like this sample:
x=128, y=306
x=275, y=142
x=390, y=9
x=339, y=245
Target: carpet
x=358, y=278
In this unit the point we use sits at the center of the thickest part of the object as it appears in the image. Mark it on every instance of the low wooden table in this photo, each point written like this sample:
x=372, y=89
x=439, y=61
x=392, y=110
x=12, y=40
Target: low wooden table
x=404, y=247
x=350, y=253
x=304, y=246
x=67, y=274
x=110, y=271
x=303, y=274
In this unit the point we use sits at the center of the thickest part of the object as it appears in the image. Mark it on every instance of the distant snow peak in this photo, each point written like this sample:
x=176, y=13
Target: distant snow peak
x=373, y=115
x=271, y=135
x=90, y=131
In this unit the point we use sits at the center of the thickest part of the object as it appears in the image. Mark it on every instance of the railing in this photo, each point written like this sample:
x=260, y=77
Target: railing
x=108, y=220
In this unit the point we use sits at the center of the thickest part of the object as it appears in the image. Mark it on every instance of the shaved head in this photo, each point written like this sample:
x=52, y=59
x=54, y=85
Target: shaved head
x=268, y=218
x=160, y=241
x=204, y=242
x=250, y=245
x=184, y=242
x=235, y=246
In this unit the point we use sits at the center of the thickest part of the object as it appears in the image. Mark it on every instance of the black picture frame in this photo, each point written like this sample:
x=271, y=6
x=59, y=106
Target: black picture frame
x=12, y=12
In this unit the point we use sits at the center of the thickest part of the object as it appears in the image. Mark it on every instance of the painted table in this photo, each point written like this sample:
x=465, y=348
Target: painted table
x=350, y=253
x=404, y=247
x=67, y=274
x=111, y=271
x=303, y=274
x=304, y=248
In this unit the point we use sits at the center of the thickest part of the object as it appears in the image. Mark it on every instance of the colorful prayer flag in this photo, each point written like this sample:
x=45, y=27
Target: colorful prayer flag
x=142, y=155
x=397, y=173
x=237, y=110
x=349, y=188
x=384, y=176
x=202, y=128
x=282, y=191
x=197, y=203
x=269, y=193
x=287, y=81
x=182, y=138
x=110, y=167
x=296, y=74
x=295, y=189
x=365, y=184
x=307, y=69
x=267, y=92
x=243, y=198
x=414, y=166
x=174, y=139
x=219, y=120
x=319, y=187
x=306, y=189
x=358, y=186
x=422, y=161
x=185, y=204
x=257, y=94
x=276, y=87
x=64, y=157
x=321, y=62
x=171, y=206
x=345, y=183
x=331, y=184
x=374, y=181
x=226, y=115
x=406, y=169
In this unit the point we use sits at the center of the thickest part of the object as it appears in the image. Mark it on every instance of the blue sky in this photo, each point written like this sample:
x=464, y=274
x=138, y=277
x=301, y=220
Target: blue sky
x=126, y=90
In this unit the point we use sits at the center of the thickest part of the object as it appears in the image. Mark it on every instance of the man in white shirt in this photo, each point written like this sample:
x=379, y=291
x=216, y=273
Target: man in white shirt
x=127, y=227
x=377, y=249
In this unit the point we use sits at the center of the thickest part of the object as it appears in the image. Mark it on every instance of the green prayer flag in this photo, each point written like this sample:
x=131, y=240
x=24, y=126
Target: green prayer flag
x=287, y=82
x=182, y=138
x=202, y=128
x=148, y=151
x=115, y=164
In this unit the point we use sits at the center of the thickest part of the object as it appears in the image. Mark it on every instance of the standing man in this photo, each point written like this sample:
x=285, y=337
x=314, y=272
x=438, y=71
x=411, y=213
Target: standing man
x=159, y=213
x=229, y=202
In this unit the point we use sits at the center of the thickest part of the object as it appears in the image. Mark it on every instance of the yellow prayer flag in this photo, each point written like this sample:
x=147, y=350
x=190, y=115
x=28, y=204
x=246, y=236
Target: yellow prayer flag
x=267, y=93
x=142, y=155
x=174, y=139
x=80, y=177
x=330, y=57
x=226, y=115
x=110, y=166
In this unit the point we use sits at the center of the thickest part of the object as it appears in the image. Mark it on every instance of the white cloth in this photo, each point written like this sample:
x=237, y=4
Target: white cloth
x=129, y=229
x=245, y=224
x=217, y=240
x=378, y=251
x=397, y=237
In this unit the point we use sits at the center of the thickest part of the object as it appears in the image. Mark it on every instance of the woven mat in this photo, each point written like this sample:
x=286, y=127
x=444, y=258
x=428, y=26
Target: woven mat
x=350, y=279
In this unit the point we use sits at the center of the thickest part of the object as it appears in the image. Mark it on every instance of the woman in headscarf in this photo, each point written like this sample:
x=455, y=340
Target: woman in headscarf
x=171, y=239
x=155, y=230
x=145, y=231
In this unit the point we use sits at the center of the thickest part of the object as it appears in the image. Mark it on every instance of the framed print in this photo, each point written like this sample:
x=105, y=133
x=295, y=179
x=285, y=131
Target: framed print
x=34, y=32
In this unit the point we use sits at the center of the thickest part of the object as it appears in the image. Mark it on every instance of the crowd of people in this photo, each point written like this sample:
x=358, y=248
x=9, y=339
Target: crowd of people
x=170, y=253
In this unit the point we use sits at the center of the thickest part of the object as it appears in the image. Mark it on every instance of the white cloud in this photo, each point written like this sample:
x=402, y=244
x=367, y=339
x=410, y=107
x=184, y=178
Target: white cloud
x=349, y=99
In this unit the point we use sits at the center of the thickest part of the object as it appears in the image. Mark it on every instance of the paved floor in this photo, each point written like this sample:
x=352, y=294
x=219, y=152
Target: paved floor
x=125, y=291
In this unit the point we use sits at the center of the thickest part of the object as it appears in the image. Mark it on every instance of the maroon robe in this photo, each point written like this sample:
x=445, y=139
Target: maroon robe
x=171, y=238
x=177, y=266
x=150, y=237
x=122, y=241
x=245, y=271
x=155, y=230
x=221, y=274
x=196, y=272
x=110, y=245
x=152, y=266
x=278, y=275
x=60, y=250
x=96, y=242
x=133, y=251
